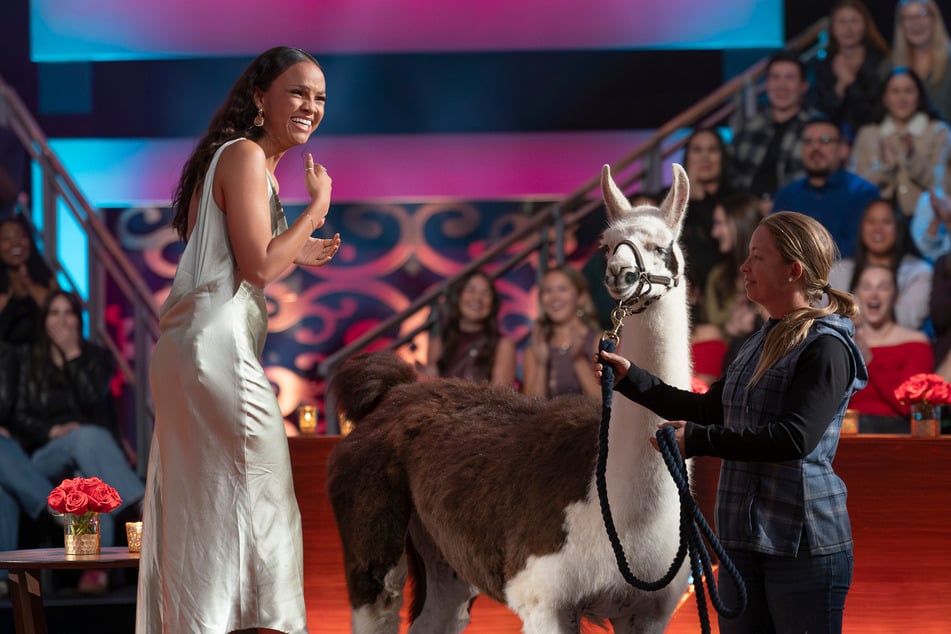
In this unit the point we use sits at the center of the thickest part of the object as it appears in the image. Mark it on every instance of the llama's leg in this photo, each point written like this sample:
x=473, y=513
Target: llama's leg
x=652, y=616
x=638, y=625
x=383, y=615
x=543, y=620
x=445, y=597
x=372, y=507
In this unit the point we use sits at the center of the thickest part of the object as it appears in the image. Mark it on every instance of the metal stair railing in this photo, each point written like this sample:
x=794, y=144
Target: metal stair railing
x=108, y=262
x=638, y=171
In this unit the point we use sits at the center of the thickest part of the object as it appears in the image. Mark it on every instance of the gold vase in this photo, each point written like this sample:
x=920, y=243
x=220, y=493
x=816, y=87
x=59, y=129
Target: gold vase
x=81, y=533
x=924, y=420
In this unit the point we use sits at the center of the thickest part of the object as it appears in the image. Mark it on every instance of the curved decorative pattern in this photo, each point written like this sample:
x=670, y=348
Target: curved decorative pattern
x=391, y=254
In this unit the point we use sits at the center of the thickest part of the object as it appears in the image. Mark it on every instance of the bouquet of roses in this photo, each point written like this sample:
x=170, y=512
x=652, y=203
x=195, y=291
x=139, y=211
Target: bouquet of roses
x=931, y=389
x=83, y=497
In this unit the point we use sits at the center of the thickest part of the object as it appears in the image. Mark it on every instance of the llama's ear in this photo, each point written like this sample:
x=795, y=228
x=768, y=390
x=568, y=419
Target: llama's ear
x=675, y=204
x=614, y=200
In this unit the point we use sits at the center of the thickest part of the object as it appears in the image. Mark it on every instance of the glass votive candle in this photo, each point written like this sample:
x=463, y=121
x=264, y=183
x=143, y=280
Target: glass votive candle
x=307, y=419
x=133, y=533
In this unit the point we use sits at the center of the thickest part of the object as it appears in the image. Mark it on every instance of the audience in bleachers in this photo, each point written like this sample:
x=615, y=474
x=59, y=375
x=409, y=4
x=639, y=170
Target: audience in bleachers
x=905, y=152
x=892, y=353
x=830, y=194
x=564, y=338
x=707, y=163
x=25, y=281
x=921, y=43
x=847, y=75
x=884, y=240
x=468, y=344
x=765, y=149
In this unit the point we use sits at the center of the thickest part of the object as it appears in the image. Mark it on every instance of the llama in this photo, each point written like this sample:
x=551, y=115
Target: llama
x=488, y=491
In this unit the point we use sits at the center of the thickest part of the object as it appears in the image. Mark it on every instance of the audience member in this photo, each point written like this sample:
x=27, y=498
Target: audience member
x=707, y=345
x=848, y=77
x=892, y=353
x=25, y=281
x=766, y=152
x=706, y=162
x=905, y=152
x=929, y=225
x=734, y=220
x=884, y=240
x=21, y=485
x=469, y=345
x=939, y=309
x=828, y=193
x=65, y=416
x=558, y=358
x=921, y=43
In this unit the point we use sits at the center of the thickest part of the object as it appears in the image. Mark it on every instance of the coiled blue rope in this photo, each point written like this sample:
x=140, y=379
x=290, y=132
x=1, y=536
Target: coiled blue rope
x=692, y=522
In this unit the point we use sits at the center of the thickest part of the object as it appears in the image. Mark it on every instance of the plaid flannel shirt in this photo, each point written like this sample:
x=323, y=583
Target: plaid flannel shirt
x=751, y=141
x=767, y=506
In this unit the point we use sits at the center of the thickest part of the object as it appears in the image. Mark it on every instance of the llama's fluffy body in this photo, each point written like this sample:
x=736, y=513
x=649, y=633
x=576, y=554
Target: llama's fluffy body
x=496, y=490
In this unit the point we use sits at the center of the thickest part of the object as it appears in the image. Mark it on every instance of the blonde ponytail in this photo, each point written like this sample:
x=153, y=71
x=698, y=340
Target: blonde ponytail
x=802, y=239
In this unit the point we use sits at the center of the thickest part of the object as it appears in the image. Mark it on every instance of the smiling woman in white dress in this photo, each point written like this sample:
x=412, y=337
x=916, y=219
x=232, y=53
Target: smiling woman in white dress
x=222, y=548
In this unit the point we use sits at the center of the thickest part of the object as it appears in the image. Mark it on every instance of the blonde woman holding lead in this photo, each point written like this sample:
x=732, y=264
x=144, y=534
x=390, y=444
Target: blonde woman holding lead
x=775, y=419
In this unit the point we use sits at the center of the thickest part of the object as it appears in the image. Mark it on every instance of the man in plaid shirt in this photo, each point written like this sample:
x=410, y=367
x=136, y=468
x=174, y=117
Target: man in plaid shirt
x=767, y=147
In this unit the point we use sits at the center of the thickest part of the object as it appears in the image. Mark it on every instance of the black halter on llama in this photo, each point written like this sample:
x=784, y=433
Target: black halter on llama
x=476, y=489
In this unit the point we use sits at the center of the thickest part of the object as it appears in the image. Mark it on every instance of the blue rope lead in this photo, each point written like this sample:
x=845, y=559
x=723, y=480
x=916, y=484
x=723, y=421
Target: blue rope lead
x=692, y=522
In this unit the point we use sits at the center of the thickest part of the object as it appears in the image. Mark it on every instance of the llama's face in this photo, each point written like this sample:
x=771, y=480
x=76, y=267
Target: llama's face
x=647, y=232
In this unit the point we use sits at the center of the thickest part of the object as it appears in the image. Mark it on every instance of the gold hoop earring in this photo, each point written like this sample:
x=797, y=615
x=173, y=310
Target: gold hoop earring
x=259, y=120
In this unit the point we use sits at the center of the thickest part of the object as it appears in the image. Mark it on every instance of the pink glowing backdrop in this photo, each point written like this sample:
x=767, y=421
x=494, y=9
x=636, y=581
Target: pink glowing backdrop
x=99, y=30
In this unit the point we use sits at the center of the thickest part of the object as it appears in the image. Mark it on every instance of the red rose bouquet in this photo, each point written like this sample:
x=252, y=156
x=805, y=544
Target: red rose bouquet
x=930, y=389
x=83, y=497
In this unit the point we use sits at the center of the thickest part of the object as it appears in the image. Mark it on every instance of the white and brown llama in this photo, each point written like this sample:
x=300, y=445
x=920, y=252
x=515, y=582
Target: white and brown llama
x=475, y=489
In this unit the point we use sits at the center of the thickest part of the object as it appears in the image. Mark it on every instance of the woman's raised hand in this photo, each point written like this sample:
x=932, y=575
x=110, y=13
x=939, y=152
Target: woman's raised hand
x=318, y=251
x=316, y=178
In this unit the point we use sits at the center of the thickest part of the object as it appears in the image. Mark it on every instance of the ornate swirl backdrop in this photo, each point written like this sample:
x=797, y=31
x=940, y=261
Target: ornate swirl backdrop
x=391, y=254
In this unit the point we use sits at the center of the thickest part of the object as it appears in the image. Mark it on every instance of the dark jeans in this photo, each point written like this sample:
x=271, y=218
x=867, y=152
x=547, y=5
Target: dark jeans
x=788, y=595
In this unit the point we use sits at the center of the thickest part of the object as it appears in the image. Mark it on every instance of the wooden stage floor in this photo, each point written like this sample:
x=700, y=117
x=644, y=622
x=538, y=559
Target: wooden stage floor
x=899, y=501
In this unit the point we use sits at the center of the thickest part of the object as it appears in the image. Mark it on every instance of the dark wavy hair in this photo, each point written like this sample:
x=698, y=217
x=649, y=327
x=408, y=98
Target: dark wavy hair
x=924, y=102
x=726, y=169
x=742, y=211
x=485, y=357
x=36, y=266
x=233, y=119
x=904, y=245
x=42, y=369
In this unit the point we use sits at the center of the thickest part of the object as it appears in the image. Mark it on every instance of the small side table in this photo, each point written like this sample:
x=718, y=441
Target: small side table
x=25, y=566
